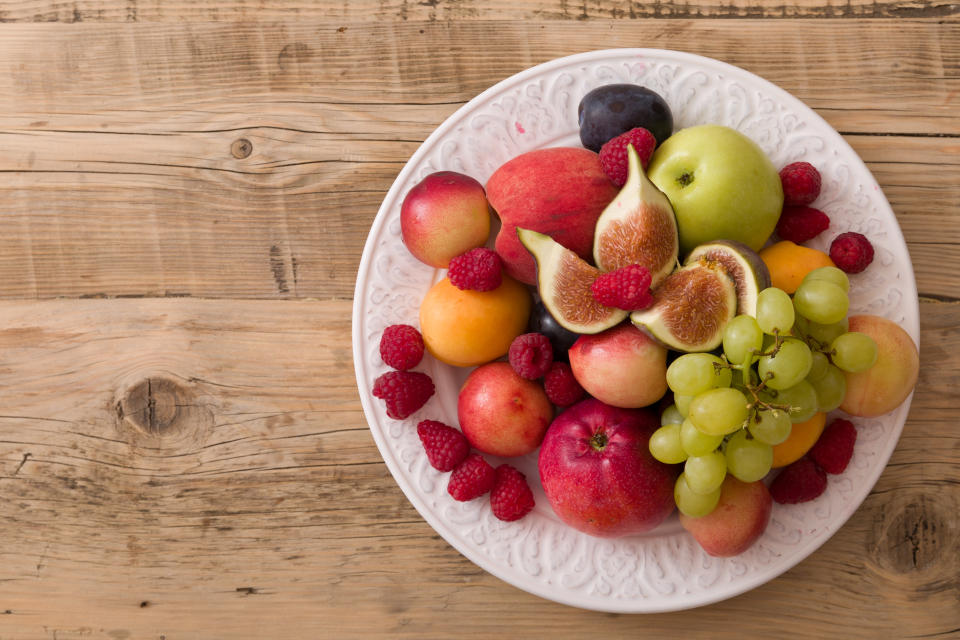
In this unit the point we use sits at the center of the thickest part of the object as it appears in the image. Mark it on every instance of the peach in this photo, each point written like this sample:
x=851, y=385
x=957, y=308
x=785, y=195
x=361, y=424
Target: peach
x=884, y=386
x=501, y=413
x=444, y=215
x=559, y=191
x=739, y=519
x=622, y=366
x=467, y=328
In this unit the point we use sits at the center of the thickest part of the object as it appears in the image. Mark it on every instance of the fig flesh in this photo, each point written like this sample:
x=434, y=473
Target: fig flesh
x=749, y=272
x=563, y=282
x=637, y=227
x=691, y=308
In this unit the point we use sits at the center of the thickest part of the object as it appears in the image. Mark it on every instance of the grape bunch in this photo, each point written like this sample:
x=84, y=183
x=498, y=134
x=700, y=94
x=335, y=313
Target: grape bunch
x=776, y=369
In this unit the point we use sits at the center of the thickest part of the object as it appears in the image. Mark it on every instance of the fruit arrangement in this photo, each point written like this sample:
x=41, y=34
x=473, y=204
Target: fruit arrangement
x=647, y=320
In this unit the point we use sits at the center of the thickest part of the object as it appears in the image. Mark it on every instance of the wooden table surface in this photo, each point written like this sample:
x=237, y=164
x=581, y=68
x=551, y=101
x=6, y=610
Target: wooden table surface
x=185, y=191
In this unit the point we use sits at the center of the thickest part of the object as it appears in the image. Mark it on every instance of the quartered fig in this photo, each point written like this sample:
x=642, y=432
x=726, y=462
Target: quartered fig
x=691, y=308
x=748, y=271
x=637, y=227
x=563, y=281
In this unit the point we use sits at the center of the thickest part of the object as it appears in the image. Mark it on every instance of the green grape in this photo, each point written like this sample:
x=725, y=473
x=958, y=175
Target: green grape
x=742, y=336
x=853, y=352
x=830, y=389
x=682, y=403
x=718, y=412
x=705, y=473
x=696, y=442
x=774, y=311
x=821, y=301
x=736, y=381
x=693, y=504
x=825, y=333
x=818, y=365
x=671, y=415
x=830, y=274
x=773, y=426
x=788, y=366
x=748, y=459
x=801, y=398
x=665, y=444
x=693, y=373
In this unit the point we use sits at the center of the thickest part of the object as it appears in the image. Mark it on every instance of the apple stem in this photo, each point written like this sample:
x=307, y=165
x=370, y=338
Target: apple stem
x=598, y=441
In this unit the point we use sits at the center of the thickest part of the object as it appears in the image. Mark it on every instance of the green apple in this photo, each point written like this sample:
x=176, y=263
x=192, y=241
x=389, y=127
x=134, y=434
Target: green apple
x=721, y=186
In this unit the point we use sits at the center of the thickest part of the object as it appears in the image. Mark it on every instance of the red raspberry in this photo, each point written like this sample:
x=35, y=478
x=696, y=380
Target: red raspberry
x=561, y=386
x=511, y=497
x=479, y=269
x=446, y=447
x=471, y=478
x=801, y=183
x=626, y=288
x=851, y=251
x=834, y=448
x=799, y=224
x=613, y=154
x=401, y=346
x=403, y=392
x=800, y=482
x=530, y=355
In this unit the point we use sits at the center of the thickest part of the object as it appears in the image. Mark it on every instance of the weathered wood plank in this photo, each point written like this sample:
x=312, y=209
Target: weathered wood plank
x=263, y=508
x=143, y=193
x=226, y=10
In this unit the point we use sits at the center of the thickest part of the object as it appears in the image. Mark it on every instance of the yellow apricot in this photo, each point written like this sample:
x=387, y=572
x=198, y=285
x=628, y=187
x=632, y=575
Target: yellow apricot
x=467, y=328
x=789, y=262
x=803, y=435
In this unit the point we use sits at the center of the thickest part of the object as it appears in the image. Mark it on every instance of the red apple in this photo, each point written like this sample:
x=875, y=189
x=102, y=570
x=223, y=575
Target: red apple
x=739, y=519
x=598, y=474
x=559, y=191
x=444, y=215
x=622, y=366
x=501, y=413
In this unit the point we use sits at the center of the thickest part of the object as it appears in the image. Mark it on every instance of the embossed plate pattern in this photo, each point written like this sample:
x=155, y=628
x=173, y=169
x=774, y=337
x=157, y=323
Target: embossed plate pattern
x=664, y=570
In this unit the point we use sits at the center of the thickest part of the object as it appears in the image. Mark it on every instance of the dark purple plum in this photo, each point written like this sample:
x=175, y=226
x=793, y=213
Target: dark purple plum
x=561, y=339
x=612, y=109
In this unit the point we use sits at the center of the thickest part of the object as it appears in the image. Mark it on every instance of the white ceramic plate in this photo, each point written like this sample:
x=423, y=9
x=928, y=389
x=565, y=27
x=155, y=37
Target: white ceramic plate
x=664, y=570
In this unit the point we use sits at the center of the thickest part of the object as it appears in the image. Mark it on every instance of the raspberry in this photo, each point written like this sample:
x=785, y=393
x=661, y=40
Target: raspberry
x=613, y=154
x=800, y=482
x=626, y=288
x=799, y=224
x=401, y=346
x=801, y=183
x=446, y=447
x=851, y=251
x=834, y=448
x=561, y=386
x=471, y=478
x=478, y=270
x=511, y=497
x=403, y=392
x=530, y=355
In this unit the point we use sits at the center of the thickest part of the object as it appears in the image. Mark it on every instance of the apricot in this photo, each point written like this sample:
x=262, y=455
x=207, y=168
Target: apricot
x=803, y=435
x=738, y=520
x=884, y=386
x=789, y=262
x=467, y=328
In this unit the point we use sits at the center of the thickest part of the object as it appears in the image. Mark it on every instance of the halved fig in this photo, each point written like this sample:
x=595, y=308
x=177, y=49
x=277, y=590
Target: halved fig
x=563, y=281
x=637, y=227
x=691, y=308
x=749, y=272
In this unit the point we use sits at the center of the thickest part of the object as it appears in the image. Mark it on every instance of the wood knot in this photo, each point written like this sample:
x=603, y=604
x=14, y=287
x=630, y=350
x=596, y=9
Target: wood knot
x=241, y=148
x=913, y=535
x=156, y=406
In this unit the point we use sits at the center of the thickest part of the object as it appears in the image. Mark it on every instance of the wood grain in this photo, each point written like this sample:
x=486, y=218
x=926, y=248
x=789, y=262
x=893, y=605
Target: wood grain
x=185, y=190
